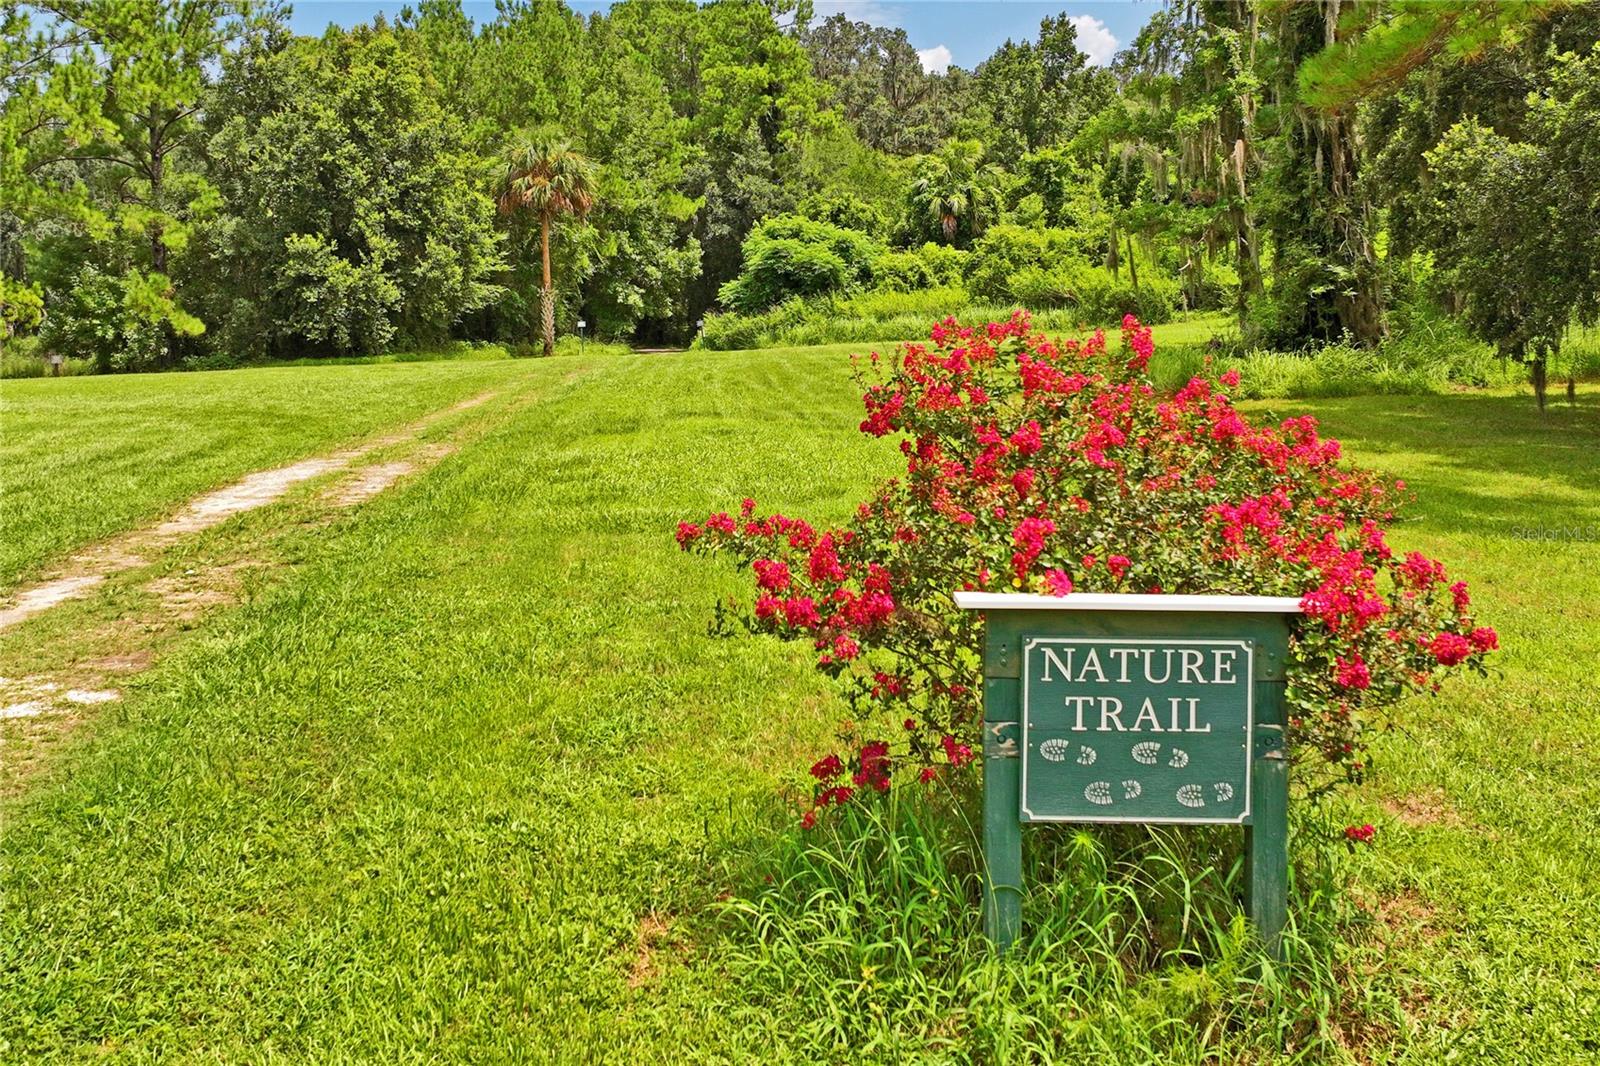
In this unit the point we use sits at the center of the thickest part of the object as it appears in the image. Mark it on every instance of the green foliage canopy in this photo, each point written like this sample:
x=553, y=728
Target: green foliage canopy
x=184, y=180
x=1517, y=223
x=351, y=193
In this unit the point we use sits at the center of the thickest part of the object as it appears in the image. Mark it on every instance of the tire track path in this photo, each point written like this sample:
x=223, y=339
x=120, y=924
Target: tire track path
x=58, y=678
x=89, y=567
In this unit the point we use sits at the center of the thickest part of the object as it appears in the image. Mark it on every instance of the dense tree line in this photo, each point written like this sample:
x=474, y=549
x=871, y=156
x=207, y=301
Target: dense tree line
x=184, y=179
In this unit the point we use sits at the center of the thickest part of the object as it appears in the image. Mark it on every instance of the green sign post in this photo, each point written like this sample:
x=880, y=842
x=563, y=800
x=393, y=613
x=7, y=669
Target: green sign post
x=1132, y=708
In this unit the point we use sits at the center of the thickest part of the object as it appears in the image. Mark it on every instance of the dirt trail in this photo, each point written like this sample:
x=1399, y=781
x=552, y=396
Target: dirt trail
x=61, y=680
x=90, y=566
x=43, y=597
x=256, y=490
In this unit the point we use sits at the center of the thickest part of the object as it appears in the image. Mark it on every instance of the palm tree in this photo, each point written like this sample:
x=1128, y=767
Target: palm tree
x=953, y=186
x=543, y=175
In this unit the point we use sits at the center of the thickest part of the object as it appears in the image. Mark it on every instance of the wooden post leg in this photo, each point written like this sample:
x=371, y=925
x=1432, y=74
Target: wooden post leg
x=1267, y=844
x=1002, y=839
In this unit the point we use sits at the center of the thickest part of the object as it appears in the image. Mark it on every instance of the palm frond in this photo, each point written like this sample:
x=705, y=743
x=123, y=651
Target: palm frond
x=543, y=175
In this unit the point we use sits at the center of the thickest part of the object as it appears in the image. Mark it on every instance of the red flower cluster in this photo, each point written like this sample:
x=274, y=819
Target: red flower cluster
x=1055, y=466
x=1029, y=538
x=1450, y=648
x=1360, y=834
x=1352, y=673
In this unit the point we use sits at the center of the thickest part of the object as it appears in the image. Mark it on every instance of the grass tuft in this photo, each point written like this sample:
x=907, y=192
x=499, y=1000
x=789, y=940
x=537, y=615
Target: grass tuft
x=1134, y=944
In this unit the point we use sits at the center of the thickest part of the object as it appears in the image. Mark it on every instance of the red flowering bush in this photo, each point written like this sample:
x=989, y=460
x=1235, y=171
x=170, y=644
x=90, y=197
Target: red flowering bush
x=1046, y=467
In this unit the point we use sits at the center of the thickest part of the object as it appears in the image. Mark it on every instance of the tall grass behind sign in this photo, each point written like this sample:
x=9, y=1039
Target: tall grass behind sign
x=1121, y=708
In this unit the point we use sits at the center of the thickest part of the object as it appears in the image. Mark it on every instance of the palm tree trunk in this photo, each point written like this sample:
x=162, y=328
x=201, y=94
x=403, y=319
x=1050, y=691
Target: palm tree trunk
x=547, y=296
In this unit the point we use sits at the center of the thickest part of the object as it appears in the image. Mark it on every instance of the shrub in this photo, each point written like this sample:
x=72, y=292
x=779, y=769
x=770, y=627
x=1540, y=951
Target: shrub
x=1104, y=298
x=1005, y=251
x=866, y=316
x=1095, y=293
x=348, y=305
x=790, y=256
x=846, y=212
x=945, y=265
x=732, y=330
x=879, y=315
x=1039, y=288
x=1049, y=468
x=213, y=361
x=776, y=270
x=931, y=266
x=900, y=272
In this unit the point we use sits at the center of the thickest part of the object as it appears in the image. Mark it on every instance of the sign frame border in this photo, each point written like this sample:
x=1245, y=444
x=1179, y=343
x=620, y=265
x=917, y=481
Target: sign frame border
x=1027, y=817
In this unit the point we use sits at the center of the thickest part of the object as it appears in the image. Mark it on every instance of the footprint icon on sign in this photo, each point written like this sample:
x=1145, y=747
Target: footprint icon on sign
x=1131, y=789
x=1098, y=792
x=1223, y=790
x=1148, y=753
x=1192, y=796
x=1055, y=750
x=1086, y=755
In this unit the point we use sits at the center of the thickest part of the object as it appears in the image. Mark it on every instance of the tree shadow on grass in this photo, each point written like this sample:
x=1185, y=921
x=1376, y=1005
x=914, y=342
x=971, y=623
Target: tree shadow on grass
x=1485, y=464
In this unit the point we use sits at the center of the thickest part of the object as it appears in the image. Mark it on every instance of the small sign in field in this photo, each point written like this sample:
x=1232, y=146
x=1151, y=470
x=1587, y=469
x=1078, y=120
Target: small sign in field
x=1128, y=708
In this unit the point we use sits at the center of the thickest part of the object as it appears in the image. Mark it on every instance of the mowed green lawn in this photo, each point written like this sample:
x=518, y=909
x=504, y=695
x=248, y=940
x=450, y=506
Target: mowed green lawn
x=82, y=458
x=470, y=784
x=1488, y=794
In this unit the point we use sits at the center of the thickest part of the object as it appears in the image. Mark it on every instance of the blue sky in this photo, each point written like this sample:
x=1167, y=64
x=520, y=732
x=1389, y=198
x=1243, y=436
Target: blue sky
x=963, y=32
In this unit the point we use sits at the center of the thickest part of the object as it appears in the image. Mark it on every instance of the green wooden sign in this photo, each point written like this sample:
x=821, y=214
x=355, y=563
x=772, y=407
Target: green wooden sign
x=1136, y=730
x=1119, y=708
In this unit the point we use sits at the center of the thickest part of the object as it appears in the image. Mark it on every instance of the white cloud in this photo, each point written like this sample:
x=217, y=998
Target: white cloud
x=935, y=59
x=1097, y=42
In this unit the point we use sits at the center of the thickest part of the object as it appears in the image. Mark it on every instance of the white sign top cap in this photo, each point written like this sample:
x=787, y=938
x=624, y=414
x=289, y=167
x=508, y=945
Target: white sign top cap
x=1122, y=601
